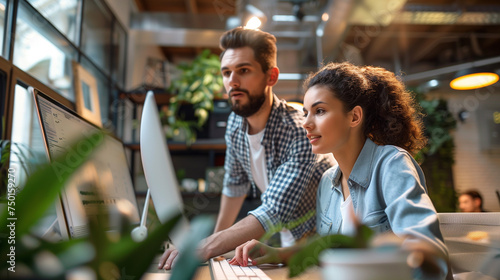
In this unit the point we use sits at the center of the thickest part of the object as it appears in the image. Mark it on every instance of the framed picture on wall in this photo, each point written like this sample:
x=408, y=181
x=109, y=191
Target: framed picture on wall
x=86, y=95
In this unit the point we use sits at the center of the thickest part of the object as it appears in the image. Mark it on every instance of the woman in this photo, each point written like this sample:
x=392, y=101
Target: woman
x=366, y=119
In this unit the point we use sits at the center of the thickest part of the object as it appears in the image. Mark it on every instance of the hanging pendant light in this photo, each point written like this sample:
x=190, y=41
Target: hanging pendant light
x=473, y=79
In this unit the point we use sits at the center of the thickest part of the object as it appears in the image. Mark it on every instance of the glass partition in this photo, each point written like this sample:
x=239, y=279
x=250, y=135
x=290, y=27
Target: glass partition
x=43, y=53
x=119, y=54
x=3, y=99
x=3, y=9
x=63, y=14
x=96, y=33
x=27, y=142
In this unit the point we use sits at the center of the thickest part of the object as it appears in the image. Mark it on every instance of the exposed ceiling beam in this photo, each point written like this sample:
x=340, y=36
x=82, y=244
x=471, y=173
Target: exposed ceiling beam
x=451, y=69
x=177, y=37
x=403, y=43
x=191, y=6
x=140, y=5
x=454, y=8
x=160, y=20
x=332, y=32
x=193, y=10
x=425, y=46
x=447, y=18
x=432, y=34
x=378, y=43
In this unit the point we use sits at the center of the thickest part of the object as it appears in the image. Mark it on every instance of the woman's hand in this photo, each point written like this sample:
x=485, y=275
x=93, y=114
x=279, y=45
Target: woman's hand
x=168, y=259
x=257, y=252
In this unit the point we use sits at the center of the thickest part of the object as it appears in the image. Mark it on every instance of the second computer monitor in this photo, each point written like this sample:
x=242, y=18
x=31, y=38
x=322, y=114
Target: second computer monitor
x=102, y=185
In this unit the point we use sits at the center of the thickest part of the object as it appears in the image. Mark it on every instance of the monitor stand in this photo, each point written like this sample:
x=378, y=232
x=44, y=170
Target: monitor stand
x=140, y=233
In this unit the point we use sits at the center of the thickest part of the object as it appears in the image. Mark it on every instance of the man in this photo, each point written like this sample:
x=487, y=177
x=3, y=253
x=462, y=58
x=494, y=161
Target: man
x=470, y=201
x=267, y=148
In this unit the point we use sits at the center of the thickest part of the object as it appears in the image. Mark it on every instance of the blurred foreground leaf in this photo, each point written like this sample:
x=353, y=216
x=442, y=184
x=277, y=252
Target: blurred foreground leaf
x=103, y=255
x=44, y=185
x=290, y=225
x=309, y=255
x=188, y=259
x=134, y=258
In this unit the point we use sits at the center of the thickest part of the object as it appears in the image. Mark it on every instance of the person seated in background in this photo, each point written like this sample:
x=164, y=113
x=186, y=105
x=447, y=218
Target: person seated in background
x=470, y=201
x=365, y=117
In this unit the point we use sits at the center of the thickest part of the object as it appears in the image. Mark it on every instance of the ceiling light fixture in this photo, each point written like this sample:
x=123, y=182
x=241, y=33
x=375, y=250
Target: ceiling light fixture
x=296, y=105
x=292, y=18
x=433, y=83
x=253, y=23
x=325, y=17
x=255, y=18
x=473, y=79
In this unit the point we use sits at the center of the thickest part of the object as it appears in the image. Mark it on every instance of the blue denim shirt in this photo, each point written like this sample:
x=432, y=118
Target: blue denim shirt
x=388, y=193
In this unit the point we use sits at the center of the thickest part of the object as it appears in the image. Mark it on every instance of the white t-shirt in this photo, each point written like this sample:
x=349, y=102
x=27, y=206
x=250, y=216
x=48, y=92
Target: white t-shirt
x=347, y=211
x=258, y=160
x=259, y=174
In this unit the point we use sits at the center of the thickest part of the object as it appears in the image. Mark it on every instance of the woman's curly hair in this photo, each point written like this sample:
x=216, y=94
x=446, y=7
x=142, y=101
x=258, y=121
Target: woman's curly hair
x=390, y=114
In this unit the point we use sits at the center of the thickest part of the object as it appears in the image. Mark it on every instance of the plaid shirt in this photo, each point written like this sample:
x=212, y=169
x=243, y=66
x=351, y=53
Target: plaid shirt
x=293, y=170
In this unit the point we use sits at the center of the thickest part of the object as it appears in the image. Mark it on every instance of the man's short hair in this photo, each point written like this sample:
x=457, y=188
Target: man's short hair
x=475, y=195
x=262, y=43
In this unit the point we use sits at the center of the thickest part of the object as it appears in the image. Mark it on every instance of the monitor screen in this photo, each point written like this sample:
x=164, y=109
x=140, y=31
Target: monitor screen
x=103, y=185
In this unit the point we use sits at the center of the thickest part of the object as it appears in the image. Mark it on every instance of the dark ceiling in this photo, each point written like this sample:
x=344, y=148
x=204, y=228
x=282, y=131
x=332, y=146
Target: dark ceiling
x=412, y=37
x=187, y=7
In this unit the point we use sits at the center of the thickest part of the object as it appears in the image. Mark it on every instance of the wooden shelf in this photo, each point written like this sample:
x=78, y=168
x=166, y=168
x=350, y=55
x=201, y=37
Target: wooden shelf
x=162, y=98
x=199, y=145
x=185, y=194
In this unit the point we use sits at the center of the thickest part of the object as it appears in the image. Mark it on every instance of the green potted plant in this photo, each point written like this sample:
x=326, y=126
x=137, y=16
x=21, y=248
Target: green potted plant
x=198, y=85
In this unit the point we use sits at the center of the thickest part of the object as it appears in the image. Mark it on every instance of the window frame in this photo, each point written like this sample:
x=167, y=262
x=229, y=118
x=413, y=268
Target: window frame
x=6, y=105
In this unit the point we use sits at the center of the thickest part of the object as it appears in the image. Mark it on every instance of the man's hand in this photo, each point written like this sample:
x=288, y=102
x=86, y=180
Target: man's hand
x=220, y=242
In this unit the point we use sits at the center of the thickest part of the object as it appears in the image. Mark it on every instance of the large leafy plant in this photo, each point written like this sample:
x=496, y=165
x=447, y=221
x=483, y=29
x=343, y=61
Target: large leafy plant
x=18, y=154
x=437, y=158
x=98, y=256
x=23, y=157
x=193, y=94
x=438, y=123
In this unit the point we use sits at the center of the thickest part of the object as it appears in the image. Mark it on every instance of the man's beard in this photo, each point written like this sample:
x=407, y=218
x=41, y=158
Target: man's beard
x=254, y=104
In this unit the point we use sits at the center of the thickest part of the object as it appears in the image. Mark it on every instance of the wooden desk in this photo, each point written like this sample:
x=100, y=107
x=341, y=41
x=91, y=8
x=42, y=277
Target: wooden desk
x=275, y=273
x=203, y=273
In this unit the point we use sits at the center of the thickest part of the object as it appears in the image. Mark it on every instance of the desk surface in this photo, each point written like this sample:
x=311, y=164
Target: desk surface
x=203, y=273
x=274, y=272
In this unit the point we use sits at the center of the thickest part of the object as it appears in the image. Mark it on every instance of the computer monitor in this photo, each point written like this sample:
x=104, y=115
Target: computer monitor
x=159, y=170
x=106, y=171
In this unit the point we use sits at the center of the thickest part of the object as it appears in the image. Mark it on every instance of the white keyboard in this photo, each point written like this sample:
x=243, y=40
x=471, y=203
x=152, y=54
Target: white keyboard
x=222, y=270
